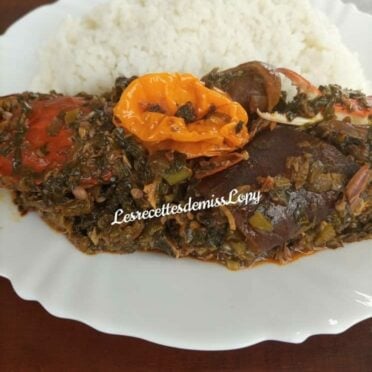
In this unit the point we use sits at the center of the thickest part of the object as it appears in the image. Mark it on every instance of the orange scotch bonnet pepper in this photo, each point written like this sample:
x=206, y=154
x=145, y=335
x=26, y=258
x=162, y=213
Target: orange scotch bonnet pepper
x=177, y=112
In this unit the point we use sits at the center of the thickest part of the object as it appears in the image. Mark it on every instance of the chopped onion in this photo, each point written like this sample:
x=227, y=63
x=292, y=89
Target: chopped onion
x=277, y=117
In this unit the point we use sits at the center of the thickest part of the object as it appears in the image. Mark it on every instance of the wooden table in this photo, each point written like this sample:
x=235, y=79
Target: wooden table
x=31, y=339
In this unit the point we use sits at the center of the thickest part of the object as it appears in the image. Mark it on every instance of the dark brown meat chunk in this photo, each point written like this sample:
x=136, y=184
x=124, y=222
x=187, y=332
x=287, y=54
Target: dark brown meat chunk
x=253, y=84
x=350, y=139
x=316, y=173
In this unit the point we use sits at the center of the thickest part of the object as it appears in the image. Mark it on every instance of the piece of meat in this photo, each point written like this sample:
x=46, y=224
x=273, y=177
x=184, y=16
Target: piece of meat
x=317, y=173
x=350, y=139
x=254, y=85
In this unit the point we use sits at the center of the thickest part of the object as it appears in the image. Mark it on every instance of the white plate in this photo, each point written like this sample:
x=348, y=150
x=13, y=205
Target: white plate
x=181, y=303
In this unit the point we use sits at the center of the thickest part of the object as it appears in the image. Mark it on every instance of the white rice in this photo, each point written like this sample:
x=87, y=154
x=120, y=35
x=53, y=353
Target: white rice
x=134, y=37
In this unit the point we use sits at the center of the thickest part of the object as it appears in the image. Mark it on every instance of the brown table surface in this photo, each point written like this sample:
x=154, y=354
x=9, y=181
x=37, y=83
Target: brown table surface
x=31, y=339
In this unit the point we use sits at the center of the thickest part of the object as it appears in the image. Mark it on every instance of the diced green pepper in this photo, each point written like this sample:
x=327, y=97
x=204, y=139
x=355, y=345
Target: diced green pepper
x=259, y=222
x=180, y=175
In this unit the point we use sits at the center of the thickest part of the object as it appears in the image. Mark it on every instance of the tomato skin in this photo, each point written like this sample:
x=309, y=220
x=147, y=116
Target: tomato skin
x=47, y=141
x=6, y=167
x=40, y=150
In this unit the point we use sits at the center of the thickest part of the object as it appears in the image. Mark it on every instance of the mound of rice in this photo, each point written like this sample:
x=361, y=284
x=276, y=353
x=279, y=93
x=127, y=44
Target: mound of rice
x=134, y=37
